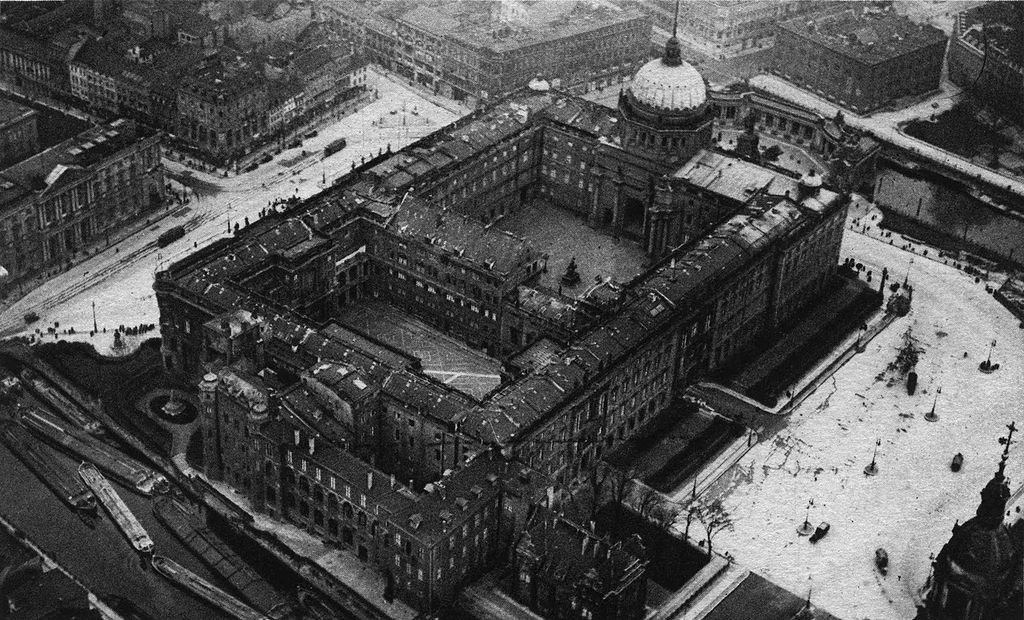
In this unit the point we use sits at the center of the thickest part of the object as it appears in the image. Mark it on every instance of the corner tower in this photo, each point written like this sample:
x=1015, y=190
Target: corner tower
x=665, y=110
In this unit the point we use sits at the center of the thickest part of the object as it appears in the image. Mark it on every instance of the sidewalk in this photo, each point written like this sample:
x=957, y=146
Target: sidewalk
x=88, y=252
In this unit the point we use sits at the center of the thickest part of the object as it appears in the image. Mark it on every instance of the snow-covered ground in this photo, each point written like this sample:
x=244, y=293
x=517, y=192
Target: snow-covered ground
x=910, y=507
x=120, y=279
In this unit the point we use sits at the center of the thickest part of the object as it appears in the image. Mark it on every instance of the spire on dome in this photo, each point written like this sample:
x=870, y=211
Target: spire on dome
x=997, y=492
x=673, y=50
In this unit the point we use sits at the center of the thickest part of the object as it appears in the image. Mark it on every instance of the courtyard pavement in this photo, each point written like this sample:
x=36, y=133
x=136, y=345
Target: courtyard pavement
x=443, y=358
x=564, y=235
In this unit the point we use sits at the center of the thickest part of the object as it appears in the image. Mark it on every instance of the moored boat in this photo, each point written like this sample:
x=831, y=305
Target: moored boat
x=116, y=508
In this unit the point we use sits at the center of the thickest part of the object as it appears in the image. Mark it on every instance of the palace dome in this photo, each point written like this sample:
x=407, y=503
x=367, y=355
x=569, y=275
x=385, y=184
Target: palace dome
x=669, y=83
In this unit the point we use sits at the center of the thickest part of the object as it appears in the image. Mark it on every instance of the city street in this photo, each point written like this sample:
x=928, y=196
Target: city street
x=119, y=280
x=910, y=506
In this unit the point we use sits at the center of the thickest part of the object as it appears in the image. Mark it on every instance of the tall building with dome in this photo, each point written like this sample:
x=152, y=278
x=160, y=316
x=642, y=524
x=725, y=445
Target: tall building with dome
x=665, y=110
x=978, y=573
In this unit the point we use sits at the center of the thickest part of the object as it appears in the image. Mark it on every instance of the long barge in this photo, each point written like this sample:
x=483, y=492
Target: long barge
x=45, y=466
x=120, y=467
x=64, y=406
x=205, y=590
x=216, y=554
x=116, y=508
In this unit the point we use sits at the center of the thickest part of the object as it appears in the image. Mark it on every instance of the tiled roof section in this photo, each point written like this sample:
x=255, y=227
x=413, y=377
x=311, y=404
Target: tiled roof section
x=441, y=403
x=586, y=116
x=62, y=163
x=453, y=500
x=344, y=379
x=242, y=386
x=563, y=311
x=734, y=178
x=867, y=38
x=462, y=140
x=488, y=247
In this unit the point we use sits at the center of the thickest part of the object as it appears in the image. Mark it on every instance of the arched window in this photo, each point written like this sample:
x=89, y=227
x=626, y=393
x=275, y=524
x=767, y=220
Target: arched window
x=346, y=510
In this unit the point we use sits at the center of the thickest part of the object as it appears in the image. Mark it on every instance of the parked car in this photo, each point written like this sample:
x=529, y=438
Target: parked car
x=266, y=159
x=958, y=462
x=294, y=144
x=312, y=134
x=882, y=560
x=821, y=531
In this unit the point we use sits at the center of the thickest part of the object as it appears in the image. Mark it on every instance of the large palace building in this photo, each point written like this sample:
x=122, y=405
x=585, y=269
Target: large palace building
x=474, y=233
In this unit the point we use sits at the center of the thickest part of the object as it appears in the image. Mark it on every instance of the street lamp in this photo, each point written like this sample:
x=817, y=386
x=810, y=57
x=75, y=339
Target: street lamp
x=872, y=467
x=806, y=528
x=931, y=416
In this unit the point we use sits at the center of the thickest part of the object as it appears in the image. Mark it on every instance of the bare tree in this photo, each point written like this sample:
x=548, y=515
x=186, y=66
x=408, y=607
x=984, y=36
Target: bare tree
x=715, y=518
x=621, y=485
x=666, y=514
x=692, y=512
x=648, y=502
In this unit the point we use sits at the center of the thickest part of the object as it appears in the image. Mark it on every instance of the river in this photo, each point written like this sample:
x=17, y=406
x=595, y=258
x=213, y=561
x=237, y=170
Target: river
x=100, y=556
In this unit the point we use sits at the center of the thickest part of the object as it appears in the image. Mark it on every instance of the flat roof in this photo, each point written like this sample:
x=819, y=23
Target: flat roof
x=867, y=38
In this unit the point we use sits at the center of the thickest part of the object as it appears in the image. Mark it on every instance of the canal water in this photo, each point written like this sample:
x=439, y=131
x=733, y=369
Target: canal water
x=945, y=207
x=100, y=556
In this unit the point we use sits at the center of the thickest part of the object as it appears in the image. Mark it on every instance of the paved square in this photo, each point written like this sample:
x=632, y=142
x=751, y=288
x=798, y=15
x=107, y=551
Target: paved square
x=564, y=236
x=443, y=357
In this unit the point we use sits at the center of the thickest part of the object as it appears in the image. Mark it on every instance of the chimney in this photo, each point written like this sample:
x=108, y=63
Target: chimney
x=298, y=440
x=392, y=481
x=583, y=550
x=369, y=480
x=312, y=445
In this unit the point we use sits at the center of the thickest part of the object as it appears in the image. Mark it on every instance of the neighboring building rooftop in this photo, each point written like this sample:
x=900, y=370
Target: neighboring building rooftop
x=868, y=38
x=454, y=233
x=68, y=160
x=11, y=112
x=504, y=26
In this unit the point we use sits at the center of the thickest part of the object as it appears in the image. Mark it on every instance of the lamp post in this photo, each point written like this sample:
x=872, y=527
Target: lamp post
x=806, y=528
x=872, y=468
x=931, y=416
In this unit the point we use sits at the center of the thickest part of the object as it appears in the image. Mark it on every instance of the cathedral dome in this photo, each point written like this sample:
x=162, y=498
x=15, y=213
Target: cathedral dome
x=981, y=554
x=669, y=83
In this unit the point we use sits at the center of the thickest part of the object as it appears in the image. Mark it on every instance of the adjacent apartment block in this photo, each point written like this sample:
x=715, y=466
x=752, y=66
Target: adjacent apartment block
x=860, y=61
x=483, y=50
x=986, y=56
x=75, y=193
x=730, y=27
x=19, y=132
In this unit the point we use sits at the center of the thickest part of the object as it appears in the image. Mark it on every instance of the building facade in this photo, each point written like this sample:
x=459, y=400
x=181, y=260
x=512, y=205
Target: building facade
x=481, y=52
x=426, y=543
x=19, y=132
x=222, y=108
x=860, y=61
x=724, y=28
x=76, y=193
